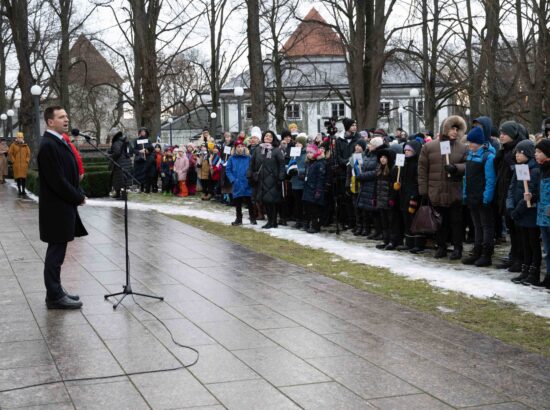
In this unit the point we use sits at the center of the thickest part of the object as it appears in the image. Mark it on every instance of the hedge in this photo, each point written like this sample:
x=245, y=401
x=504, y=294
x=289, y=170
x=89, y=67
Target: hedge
x=94, y=160
x=96, y=168
x=94, y=184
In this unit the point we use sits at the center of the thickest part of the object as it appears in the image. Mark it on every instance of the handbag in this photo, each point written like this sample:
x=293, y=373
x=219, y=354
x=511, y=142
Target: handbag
x=426, y=221
x=256, y=174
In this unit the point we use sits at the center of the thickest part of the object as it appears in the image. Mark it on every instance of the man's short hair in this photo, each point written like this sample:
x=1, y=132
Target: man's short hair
x=49, y=113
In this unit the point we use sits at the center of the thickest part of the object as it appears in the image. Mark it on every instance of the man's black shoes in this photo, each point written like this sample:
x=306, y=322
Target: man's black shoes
x=64, y=302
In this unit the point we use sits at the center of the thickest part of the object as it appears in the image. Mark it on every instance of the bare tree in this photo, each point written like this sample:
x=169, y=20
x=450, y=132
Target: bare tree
x=255, y=62
x=5, y=47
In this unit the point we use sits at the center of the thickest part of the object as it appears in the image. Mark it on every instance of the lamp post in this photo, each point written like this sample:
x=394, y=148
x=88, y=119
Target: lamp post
x=401, y=110
x=10, y=114
x=468, y=112
x=170, y=121
x=414, y=93
x=213, y=117
x=3, y=117
x=17, y=105
x=239, y=92
x=36, y=90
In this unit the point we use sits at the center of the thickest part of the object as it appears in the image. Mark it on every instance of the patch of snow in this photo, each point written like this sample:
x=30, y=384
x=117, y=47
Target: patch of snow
x=481, y=283
x=445, y=309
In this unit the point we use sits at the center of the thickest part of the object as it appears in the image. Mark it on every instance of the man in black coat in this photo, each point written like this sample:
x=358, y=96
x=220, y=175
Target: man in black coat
x=345, y=147
x=60, y=195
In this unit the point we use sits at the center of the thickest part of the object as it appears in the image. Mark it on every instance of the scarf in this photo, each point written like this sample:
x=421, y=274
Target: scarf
x=266, y=149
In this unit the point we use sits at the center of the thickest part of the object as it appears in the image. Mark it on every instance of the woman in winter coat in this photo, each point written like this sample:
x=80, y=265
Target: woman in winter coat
x=225, y=185
x=120, y=153
x=441, y=183
x=203, y=171
x=19, y=155
x=385, y=200
x=366, y=200
x=181, y=166
x=140, y=156
x=236, y=171
x=524, y=217
x=542, y=155
x=267, y=171
x=353, y=186
x=191, y=180
x=409, y=197
x=3, y=160
x=296, y=168
x=314, y=188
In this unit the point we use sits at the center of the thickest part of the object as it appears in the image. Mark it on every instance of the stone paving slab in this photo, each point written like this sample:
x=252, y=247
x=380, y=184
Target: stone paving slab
x=270, y=334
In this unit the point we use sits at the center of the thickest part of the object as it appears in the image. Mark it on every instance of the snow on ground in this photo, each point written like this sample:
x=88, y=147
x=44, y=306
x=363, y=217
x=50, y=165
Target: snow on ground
x=477, y=282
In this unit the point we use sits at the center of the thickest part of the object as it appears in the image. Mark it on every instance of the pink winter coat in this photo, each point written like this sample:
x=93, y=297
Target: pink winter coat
x=181, y=166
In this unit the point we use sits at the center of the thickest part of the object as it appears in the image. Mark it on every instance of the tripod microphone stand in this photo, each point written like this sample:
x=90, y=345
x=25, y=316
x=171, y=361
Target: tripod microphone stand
x=127, y=288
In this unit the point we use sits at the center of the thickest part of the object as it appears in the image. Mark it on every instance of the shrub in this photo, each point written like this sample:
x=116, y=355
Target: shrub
x=95, y=184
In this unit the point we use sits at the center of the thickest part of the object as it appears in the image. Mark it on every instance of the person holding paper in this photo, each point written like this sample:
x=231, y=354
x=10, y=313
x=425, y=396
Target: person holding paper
x=542, y=155
x=385, y=199
x=236, y=170
x=441, y=183
x=296, y=170
x=522, y=210
x=140, y=155
x=352, y=184
x=314, y=188
x=479, y=189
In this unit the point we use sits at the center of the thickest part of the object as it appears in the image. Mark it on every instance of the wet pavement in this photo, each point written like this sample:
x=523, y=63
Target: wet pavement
x=270, y=334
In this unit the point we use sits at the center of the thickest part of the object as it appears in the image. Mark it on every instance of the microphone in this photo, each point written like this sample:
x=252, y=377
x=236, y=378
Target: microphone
x=75, y=132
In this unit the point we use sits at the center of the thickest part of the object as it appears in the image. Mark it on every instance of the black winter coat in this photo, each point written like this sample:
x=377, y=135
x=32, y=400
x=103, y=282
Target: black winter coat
x=139, y=161
x=504, y=168
x=314, y=183
x=151, y=167
x=60, y=192
x=384, y=188
x=343, y=151
x=120, y=154
x=409, y=178
x=516, y=205
x=366, y=199
x=272, y=173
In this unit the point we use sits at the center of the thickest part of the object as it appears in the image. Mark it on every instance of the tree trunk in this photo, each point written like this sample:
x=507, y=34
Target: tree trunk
x=65, y=12
x=18, y=16
x=255, y=62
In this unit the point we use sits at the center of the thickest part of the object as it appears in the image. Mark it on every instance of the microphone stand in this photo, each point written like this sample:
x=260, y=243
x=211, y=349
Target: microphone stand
x=127, y=288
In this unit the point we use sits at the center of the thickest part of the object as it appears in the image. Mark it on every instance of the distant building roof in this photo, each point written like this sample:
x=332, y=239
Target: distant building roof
x=89, y=67
x=313, y=37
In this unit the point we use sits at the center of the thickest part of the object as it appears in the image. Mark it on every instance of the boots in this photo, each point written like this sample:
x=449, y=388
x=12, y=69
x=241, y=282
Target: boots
x=546, y=281
x=358, y=229
x=314, y=227
x=505, y=264
x=409, y=244
x=237, y=222
x=259, y=212
x=533, y=278
x=299, y=224
x=456, y=255
x=485, y=259
x=523, y=275
x=441, y=252
x=474, y=256
x=516, y=266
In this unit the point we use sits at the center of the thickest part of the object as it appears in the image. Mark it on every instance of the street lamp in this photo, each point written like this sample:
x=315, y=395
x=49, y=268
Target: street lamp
x=239, y=92
x=401, y=110
x=36, y=90
x=3, y=117
x=17, y=105
x=213, y=117
x=10, y=114
x=414, y=93
x=170, y=121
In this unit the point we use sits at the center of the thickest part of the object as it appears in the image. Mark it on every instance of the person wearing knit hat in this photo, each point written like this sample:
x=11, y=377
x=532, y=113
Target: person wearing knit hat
x=479, y=189
x=314, y=188
x=301, y=139
x=510, y=129
x=348, y=123
x=476, y=136
x=524, y=216
x=542, y=156
x=376, y=142
x=380, y=133
x=363, y=144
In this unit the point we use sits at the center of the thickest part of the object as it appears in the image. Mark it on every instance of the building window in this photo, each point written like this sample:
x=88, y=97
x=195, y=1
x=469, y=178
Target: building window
x=420, y=108
x=338, y=110
x=293, y=112
x=384, y=110
x=248, y=110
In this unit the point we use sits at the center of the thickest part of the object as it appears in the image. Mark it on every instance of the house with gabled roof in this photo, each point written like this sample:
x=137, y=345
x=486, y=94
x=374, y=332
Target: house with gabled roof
x=315, y=76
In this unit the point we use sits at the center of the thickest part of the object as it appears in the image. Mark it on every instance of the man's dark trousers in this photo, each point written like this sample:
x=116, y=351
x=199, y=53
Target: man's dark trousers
x=55, y=255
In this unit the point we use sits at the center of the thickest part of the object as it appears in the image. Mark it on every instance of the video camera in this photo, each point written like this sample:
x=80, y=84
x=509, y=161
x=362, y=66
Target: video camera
x=330, y=125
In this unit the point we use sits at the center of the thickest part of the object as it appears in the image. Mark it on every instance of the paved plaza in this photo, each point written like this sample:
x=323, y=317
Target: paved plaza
x=270, y=334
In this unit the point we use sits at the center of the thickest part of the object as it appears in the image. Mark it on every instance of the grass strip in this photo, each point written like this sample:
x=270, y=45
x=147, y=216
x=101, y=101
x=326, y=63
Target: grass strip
x=493, y=317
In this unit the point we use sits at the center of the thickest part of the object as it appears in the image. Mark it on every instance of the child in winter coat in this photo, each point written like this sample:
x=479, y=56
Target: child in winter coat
x=352, y=185
x=215, y=171
x=479, y=188
x=542, y=155
x=180, y=167
x=191, y=180
x=167, y=173
x=235, y=170
x=384, y=195
x=314, y=188
x=525, y=215
x=296, y=168
x=203, y=170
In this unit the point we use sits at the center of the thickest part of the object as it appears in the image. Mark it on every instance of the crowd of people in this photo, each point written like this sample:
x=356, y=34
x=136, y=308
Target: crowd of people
x=372, y=184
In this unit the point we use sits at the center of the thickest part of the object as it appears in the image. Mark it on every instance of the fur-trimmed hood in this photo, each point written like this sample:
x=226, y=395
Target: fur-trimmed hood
x=450, y=122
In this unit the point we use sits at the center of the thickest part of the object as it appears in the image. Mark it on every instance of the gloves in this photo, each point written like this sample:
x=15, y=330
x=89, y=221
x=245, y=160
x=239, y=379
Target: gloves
x=317, y=195
x=451, y=169
x=515, y=215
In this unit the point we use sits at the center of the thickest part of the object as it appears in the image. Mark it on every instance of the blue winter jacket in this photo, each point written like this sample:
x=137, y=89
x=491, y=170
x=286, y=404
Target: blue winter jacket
x=236, y=169
x=314, y=182
x=516, y=205
x=543, y=204
x=484, y=184
x=297, y=181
